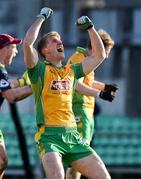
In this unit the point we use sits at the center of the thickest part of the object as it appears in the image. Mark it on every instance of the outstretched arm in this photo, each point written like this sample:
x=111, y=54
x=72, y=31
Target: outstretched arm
x=30, y=54
x=98, y=85
x=83, y=89
x=13, y=95
x=98, y=51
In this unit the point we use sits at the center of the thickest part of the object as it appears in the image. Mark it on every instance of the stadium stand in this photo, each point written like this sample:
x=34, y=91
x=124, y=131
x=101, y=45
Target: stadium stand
x=117, y=141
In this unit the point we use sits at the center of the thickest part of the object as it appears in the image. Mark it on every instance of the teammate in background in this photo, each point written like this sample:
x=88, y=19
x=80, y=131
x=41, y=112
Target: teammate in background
x=83, y=106
x=52, y=84
x=8, y=51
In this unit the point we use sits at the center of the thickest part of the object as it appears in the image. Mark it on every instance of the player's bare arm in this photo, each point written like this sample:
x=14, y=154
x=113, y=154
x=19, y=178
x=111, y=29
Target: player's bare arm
x=13, y=95
x=83, y=89
x=98, y=85
x=30, y=54
x=98, y=51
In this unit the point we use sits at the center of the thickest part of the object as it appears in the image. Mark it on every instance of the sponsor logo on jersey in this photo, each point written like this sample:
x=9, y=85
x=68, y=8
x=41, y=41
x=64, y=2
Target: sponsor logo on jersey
x=60, y=85
x=3, y=83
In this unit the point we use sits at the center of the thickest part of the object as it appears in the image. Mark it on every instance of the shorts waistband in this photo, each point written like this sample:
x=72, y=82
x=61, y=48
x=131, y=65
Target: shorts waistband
x=58, y=129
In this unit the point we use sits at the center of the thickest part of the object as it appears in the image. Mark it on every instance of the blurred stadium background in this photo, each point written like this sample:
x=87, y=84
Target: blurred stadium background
x=118, y=124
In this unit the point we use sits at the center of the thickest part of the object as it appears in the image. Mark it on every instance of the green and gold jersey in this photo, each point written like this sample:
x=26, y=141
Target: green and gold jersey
x=53, y=88
x=80, y=100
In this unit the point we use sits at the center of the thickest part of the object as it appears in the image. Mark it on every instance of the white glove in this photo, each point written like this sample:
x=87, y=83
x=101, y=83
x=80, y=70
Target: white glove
x=84, y=23
x=45, y=12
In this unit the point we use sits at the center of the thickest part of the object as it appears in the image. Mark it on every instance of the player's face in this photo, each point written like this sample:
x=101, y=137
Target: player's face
x=11, y=51
x=55, y=48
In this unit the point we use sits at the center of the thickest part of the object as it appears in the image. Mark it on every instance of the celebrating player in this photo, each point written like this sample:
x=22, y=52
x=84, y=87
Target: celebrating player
x=52, y=84
x=83, y=106
x=8, y=51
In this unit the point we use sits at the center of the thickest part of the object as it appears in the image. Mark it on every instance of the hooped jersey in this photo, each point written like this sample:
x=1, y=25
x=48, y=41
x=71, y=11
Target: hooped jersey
x=53, y=89
x=81, y=101
x=4, y=82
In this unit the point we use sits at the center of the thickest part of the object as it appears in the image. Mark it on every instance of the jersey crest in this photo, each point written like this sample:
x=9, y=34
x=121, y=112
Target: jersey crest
x=63, y=85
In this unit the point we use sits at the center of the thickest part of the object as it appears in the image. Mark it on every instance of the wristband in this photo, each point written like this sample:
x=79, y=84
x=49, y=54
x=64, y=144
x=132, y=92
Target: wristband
x=21, y=81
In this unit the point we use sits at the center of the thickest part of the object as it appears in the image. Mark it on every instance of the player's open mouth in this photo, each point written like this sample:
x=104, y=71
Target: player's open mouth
x=60, y=49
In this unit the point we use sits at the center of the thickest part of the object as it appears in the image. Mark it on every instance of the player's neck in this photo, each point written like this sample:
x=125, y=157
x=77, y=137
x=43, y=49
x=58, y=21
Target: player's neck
x=56, y=62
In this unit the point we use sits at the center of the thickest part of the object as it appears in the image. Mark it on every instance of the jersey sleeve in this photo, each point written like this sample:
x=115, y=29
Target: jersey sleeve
x=35, y=72
x=76, y=58
x=4, y=81
x=78, y=70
